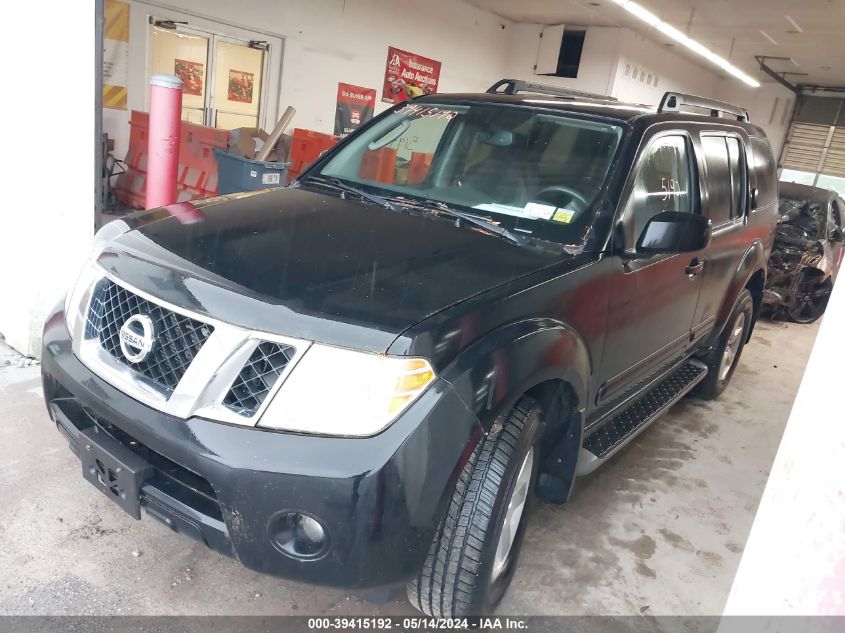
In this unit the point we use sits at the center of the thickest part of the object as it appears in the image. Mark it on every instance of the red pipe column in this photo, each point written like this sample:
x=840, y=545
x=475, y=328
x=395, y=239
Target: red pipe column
x=163, y=147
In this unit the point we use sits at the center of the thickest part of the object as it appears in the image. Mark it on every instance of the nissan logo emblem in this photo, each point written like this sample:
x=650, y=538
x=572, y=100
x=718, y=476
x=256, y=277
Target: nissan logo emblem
x=137, y=336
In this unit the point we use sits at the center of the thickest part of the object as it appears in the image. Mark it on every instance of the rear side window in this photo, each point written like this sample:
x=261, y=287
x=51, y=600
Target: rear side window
x=719, y=185
x=738, y=176
x=765, y=169
x=839, y=212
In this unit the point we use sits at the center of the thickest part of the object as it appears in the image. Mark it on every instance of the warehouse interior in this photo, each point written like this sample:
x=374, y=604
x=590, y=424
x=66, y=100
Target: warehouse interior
x=663, y=529
x=304, y=52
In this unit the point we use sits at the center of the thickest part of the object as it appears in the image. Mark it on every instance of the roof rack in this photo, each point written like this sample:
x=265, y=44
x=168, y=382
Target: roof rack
x=515, y=86
x=673, y=101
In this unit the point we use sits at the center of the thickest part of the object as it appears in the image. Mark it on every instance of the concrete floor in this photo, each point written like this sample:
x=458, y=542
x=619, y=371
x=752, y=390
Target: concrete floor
x=659, y=530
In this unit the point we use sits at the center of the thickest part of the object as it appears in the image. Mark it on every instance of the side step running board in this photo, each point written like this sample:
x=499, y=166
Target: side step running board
x=622, y=428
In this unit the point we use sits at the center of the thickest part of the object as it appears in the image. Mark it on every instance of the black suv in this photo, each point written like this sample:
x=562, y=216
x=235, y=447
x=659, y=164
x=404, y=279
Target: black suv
x=366, y=377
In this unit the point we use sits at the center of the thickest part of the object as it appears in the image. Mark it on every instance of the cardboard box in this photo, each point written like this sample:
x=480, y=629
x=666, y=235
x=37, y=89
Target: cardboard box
x=248, y=141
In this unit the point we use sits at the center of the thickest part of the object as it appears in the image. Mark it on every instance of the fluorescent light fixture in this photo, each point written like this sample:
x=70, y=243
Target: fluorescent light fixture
x=794, y=23
x=696, y=47
x=769, y=37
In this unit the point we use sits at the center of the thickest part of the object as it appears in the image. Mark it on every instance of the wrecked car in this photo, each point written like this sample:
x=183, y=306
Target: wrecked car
x=807, y=252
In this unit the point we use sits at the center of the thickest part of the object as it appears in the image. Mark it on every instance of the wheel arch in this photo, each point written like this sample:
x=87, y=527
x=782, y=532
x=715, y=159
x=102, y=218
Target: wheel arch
x=750, y=274
x=755, y=286
x=545, y=359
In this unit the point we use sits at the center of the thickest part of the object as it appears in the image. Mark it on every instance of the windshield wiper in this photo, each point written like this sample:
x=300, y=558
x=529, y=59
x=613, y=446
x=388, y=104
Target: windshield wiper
x=346, y=187
x=477, y=220
x=396, y=204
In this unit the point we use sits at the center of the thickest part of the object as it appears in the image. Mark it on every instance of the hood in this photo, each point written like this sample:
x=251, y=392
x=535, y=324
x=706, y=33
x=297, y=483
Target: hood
x=311, y=265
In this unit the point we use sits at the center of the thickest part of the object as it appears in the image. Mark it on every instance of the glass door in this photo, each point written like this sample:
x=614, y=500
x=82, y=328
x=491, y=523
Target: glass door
x=223, y=77
x=184, y=53
x=238, y=74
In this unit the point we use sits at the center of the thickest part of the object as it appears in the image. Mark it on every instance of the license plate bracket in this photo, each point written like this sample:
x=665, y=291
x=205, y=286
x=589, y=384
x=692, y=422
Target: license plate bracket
x=113, y=469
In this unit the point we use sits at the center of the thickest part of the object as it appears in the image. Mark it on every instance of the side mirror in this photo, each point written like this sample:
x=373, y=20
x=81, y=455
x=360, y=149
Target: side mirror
x=754, y=197
x=673, y=232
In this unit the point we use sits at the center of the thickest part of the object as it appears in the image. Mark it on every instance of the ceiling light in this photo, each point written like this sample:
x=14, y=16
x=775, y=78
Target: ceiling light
x=696, y=47
x=769, y=37
x=794, y=24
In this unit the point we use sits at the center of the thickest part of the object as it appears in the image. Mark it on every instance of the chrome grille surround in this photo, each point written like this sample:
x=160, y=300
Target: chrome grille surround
x=207, y=379
x=178, y=337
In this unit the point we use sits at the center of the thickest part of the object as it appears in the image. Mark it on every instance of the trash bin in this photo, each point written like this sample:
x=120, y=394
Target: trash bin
x=236, y=173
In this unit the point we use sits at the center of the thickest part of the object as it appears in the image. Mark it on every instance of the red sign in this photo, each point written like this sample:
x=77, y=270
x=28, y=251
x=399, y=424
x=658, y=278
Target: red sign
x=355, y=106
x=408, y=75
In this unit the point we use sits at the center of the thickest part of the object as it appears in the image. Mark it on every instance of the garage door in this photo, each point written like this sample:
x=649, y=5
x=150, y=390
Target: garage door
x=814, y=152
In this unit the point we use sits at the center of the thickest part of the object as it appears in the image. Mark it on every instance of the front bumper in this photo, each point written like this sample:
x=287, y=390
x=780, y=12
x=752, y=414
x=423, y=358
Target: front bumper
x=380, y=498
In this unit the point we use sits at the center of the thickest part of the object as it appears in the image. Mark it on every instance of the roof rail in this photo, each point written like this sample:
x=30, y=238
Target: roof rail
x=673, y=101
x=515, y=86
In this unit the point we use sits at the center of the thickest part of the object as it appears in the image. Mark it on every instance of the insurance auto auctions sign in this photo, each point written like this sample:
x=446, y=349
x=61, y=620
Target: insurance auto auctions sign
x=408, y=75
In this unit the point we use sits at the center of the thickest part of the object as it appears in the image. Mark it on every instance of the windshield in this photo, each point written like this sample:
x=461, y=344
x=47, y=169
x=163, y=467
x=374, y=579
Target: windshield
x=535, y=173
x=804, y=213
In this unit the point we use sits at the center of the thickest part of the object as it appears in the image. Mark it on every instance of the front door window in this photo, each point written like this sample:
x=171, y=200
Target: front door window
x=662, y=184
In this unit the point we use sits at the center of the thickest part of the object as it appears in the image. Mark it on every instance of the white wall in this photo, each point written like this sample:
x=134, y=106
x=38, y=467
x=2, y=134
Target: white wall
x=612, y=55
x=48, y=216
x=663, y=66
x=327, y=41
x=599, y=58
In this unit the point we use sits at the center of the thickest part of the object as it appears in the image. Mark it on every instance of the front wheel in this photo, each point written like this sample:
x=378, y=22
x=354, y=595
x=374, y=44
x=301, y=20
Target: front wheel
x=724, y=357
x=473, y=555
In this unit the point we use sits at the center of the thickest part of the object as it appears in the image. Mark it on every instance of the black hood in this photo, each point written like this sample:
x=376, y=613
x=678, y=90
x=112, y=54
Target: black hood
x=314, y=266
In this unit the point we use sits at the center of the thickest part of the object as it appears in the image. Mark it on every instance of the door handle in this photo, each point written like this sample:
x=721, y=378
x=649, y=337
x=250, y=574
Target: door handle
x=695, y=267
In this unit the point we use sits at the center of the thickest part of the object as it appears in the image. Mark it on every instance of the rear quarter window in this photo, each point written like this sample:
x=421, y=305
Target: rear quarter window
x=765, y=169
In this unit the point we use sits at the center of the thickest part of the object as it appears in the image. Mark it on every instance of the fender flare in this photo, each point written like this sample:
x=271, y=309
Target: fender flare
x=753, y=260
x=504, y=364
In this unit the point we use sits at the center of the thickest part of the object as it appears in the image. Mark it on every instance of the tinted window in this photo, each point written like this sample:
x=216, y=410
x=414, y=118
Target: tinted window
x=738, y=176
x=662, y=184
x=766, y=171
x=839, y=212
x=719, y=186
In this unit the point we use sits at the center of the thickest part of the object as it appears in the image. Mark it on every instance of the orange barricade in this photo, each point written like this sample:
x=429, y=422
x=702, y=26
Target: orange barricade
x=418, y=167
x=379, y=165
x=306, y=147
x=197, y=174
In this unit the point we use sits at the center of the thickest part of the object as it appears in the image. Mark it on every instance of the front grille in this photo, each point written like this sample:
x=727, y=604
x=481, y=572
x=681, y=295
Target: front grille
x=257, y=377
x=178, y=338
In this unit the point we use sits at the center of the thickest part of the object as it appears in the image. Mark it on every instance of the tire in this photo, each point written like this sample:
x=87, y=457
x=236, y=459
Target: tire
x=718, y=375
x=457, y=577
x=810, y=303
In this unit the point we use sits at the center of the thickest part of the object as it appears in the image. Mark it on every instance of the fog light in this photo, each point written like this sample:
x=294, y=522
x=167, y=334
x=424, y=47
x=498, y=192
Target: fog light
x=298, y=535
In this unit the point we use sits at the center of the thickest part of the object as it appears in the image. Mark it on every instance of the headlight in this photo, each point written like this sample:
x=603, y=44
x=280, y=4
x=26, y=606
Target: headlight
x=77, y=295
x=334, y=391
